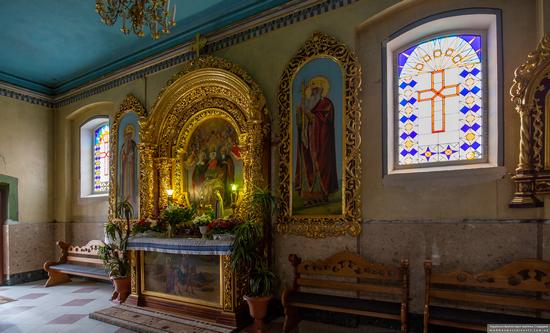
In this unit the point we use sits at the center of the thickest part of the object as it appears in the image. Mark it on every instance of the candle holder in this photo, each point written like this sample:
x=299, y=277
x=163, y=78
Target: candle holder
x=170, y=194
x=234, y=197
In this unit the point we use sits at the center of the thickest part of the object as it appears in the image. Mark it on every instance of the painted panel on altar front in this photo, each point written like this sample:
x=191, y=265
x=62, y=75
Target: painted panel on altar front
x=192, y=278
x=213, y=163
x=128, y=161
x=316, y=104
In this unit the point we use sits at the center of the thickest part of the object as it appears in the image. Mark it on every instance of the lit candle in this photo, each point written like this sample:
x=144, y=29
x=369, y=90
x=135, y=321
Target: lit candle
x=233, y=195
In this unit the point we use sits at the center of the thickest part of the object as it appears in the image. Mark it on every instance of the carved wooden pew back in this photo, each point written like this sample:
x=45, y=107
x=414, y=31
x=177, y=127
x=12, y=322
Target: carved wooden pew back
x=371, y=282
x=516, y=287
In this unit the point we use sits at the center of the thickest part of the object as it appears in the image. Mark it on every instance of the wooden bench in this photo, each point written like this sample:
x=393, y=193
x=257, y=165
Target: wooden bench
x=510, y=294
x=384, y=290
x=76, y=260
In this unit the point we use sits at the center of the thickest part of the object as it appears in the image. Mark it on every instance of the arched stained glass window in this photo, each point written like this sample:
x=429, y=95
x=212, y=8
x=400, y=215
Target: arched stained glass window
x=440, y=113
x=101, y=159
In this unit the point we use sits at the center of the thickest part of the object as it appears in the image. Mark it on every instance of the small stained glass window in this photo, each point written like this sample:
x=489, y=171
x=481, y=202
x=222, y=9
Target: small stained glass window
x=101, y=159
x=439, y=104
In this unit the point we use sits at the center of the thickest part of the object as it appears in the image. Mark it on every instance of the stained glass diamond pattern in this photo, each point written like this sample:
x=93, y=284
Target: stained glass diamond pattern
x=440, y=101
x=101, y=159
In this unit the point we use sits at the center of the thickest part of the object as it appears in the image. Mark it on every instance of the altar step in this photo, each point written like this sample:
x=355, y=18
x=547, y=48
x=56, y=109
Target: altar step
x=147, y=321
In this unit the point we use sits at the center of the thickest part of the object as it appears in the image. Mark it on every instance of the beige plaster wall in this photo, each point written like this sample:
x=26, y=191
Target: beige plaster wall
x=465, y=214
x=26, y=153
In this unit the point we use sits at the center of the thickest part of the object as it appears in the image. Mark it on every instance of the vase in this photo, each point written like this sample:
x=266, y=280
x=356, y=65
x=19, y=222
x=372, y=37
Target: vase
x=122, y=289
x=203, y=229
x=258, y=309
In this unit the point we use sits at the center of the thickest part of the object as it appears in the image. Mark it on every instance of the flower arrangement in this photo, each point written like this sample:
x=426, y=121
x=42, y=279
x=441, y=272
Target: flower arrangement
x=202, y=220
x=147, y=224
x=223, y=226
x=177, y=217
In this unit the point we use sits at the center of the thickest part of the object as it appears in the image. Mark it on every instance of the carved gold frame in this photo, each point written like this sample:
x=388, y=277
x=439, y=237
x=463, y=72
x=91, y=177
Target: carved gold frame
x=321, y=45
x=206, y=88
x=532, y=175
x=129, y=104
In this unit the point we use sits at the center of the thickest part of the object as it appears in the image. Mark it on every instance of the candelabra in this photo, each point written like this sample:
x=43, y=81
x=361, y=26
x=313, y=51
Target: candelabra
x=154, y=14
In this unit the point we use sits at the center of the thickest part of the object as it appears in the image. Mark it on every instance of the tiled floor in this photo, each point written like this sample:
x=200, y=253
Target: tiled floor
x=62, y=308
x=65, y=308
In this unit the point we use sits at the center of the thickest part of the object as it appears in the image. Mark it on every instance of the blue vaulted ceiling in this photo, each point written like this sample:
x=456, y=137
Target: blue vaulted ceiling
x=52, y=46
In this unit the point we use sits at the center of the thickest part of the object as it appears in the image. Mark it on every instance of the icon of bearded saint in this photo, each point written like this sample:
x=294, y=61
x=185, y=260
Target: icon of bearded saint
x=316, y=175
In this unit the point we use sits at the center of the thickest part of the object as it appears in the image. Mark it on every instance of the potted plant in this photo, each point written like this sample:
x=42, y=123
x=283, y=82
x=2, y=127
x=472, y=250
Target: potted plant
x=223, y=228
x=147, y=227
x=202, y=222
x=115, y=255
x=177, y=217
x=247, y=257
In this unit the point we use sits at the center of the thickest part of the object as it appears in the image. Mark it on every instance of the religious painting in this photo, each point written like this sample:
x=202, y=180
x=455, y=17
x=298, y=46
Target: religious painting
x=320, y=138
x=124, y=156
x=128, y=161
x=214, y=167
x=195, y=278
x=317, y=95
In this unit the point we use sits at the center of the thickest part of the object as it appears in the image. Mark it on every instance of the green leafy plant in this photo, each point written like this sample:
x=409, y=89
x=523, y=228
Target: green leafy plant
x=178, y=215
x=248, y=257
x=262, y=281
x=115, y=254
x=263, y=199
x=202, y=220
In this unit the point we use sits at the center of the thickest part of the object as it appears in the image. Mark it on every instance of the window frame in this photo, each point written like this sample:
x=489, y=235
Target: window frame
x=86, y=155
x=93, y=135
x=488, y=27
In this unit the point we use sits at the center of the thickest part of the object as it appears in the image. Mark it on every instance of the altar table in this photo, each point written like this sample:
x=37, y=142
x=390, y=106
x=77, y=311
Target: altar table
x=188, y=276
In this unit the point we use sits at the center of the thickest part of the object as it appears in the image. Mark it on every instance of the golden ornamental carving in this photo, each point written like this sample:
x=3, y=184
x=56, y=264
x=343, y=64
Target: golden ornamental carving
x=349, y=223
x=129, y=104
x=206, y=88
x=529, y=81
x=146, y=175
x=228, y=283
x=133, y=272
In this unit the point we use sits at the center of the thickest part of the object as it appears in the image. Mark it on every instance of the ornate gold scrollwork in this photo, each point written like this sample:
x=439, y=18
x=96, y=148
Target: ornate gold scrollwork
x=531, y=78
x=228, y=284
x=129, y=104
x=133, y=272
x=207, y=88
x=322, y=45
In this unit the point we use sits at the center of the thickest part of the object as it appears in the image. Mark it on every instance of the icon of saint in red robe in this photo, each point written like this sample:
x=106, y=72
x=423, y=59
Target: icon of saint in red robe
x=316, y=174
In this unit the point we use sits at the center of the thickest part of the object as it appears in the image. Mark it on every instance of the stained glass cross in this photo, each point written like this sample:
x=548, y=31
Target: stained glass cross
x=437, y=96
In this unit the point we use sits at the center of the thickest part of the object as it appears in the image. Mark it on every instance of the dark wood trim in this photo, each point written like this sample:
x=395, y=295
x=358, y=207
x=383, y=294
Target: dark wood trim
x=239, y=320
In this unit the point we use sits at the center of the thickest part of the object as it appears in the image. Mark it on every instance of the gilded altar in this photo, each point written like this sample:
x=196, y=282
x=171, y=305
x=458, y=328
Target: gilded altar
x=202, y=144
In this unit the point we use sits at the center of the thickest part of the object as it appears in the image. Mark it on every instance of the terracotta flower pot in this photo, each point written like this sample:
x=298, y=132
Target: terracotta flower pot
x=122, y=289
x=258, y=309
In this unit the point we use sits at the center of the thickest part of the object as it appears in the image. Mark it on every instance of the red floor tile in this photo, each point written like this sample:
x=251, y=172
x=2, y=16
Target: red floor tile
x=32, y=296
x=79, y=302
x=67, y=319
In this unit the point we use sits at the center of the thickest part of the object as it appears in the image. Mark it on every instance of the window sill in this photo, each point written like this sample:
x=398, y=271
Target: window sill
x=459, y=176
x=91, y=196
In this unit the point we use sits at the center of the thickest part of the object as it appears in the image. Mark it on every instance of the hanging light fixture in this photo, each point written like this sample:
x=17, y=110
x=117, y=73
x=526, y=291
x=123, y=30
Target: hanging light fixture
x=138, y=14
